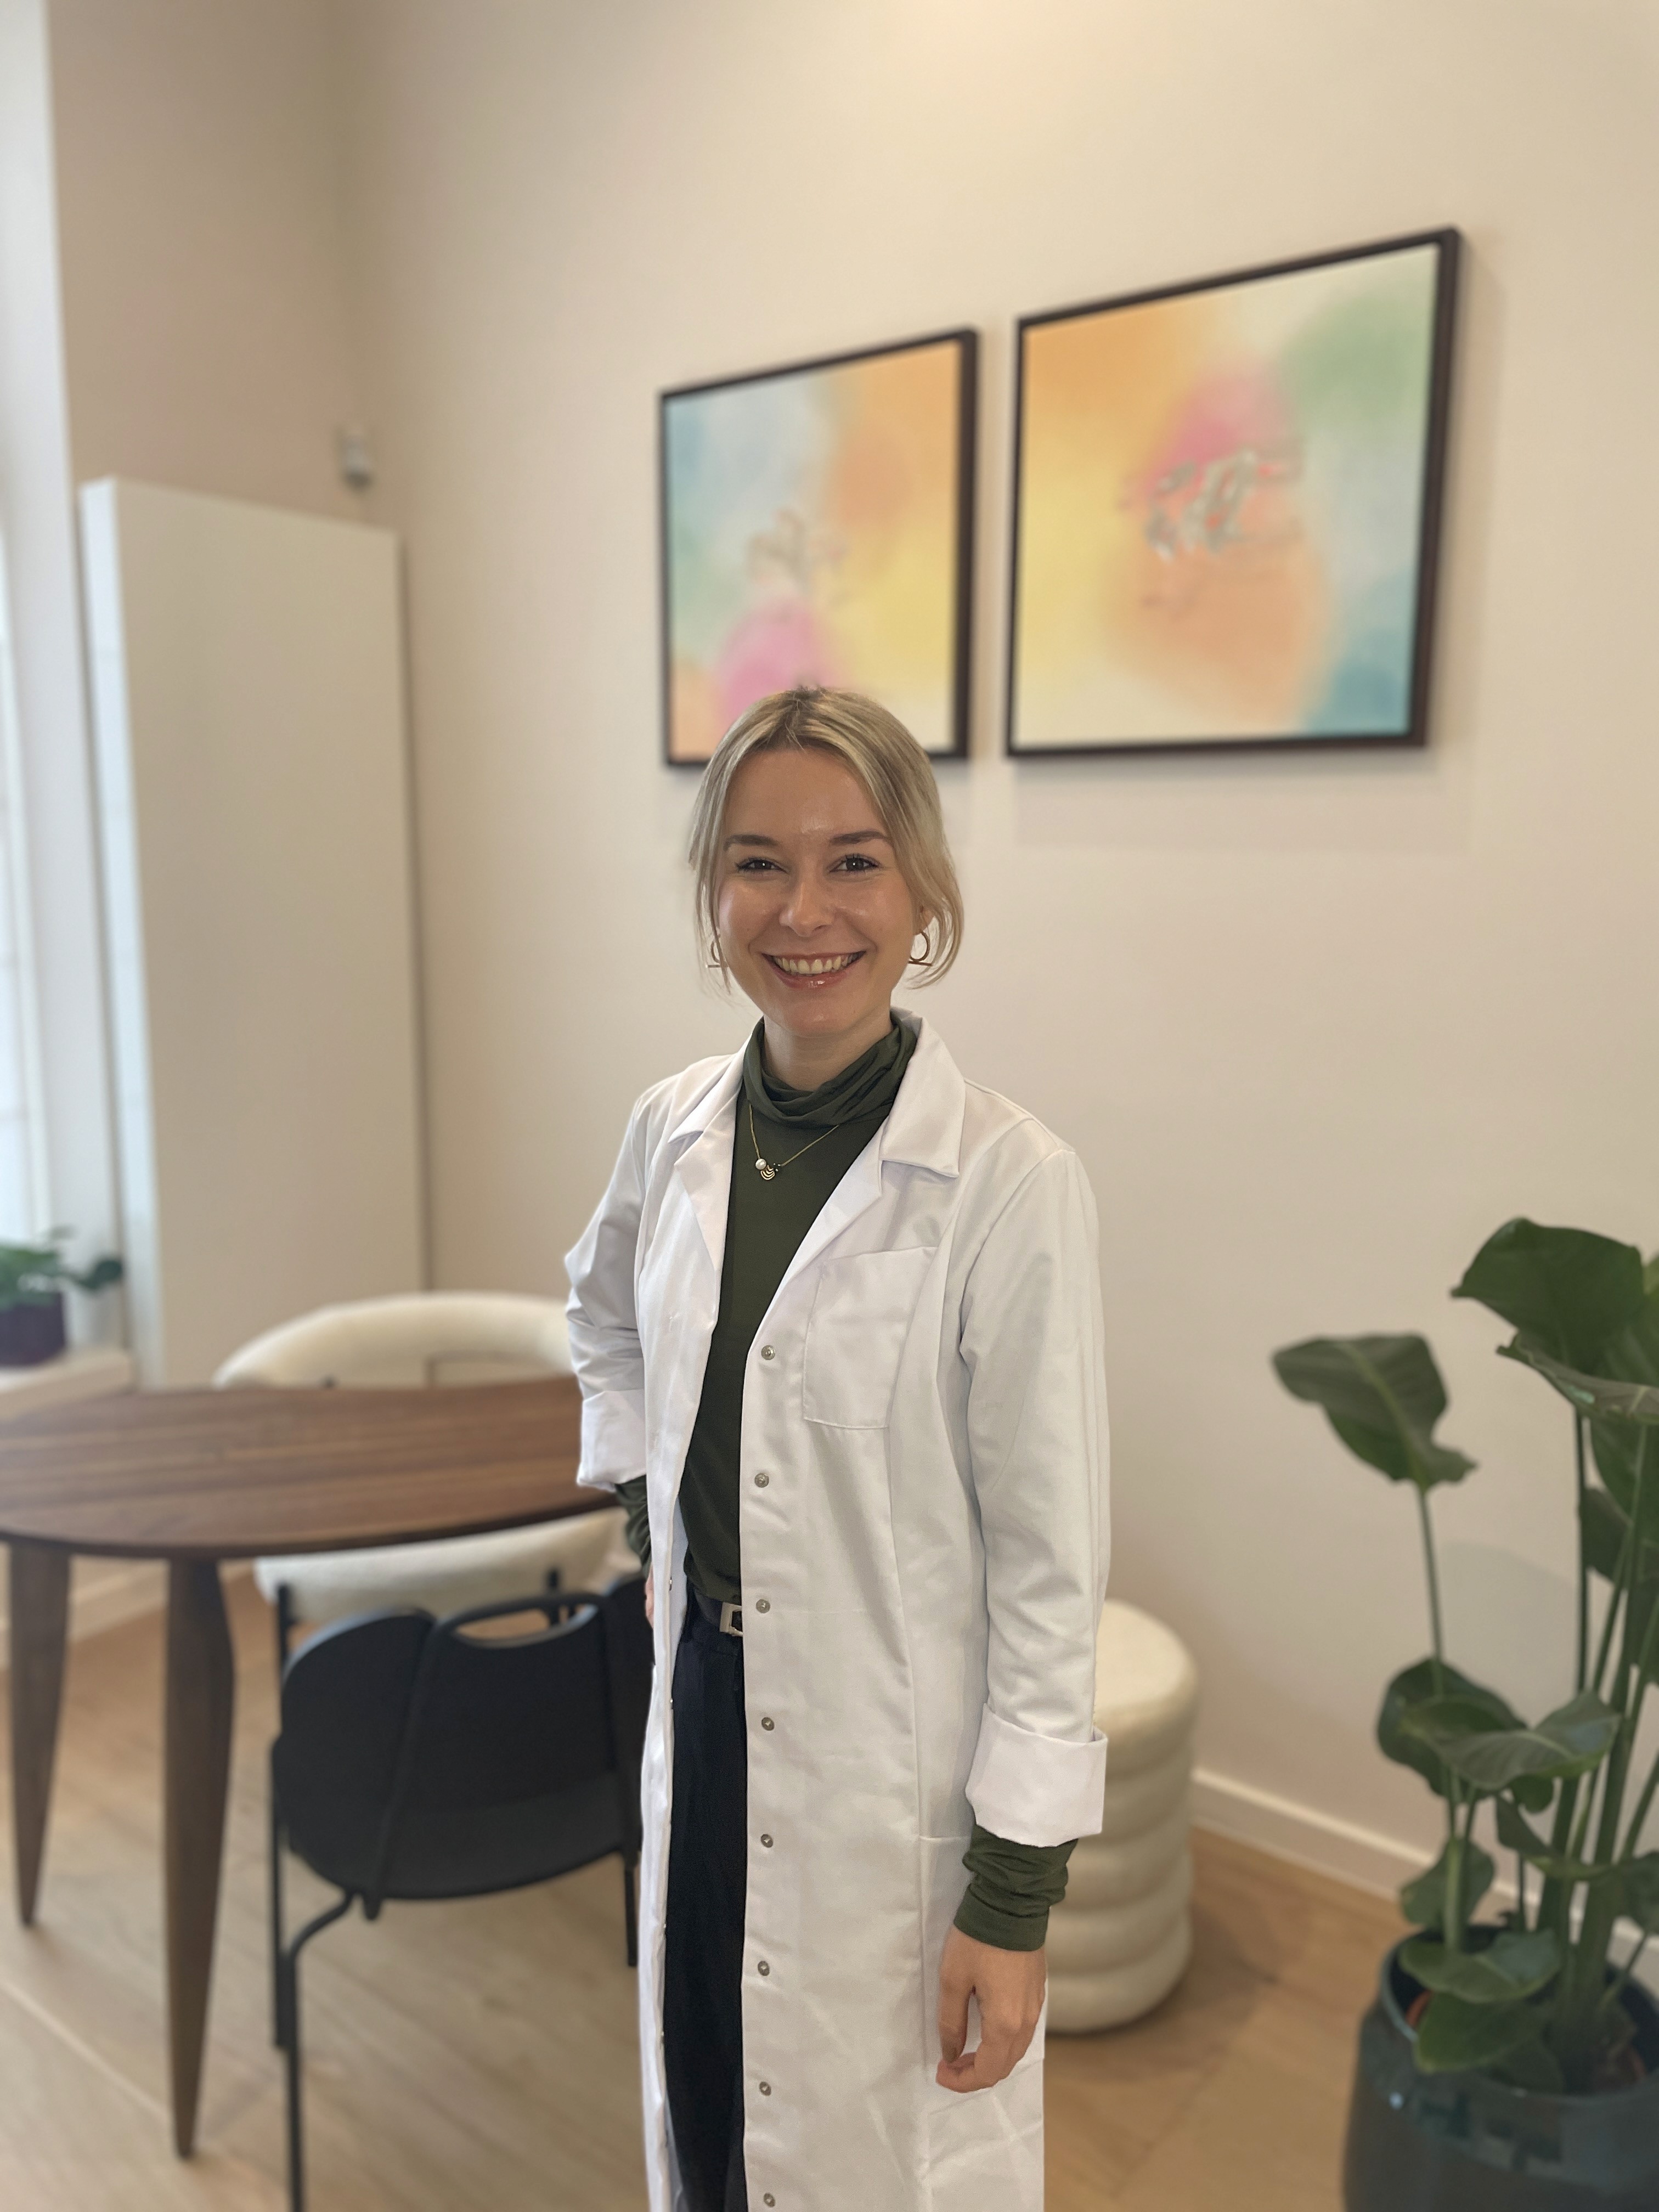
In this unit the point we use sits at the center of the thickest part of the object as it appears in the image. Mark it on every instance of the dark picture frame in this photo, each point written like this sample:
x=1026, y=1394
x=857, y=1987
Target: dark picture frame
x=1180, y=524
x=760, y=589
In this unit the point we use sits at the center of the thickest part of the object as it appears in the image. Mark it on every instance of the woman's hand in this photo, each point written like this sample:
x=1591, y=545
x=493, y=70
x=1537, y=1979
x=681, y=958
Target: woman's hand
x=1009, y=1985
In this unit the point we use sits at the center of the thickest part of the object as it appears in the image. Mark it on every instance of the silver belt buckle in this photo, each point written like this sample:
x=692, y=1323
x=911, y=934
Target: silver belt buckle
x=731, y=1617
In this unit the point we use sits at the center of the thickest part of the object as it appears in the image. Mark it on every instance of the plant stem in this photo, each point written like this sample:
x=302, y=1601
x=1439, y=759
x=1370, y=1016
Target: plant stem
x=1576, y=1847
x=1555, y=1898
x=1605, y=1647
x=1646, y=1659
x=1584, y=1979
x=1434, y=1630
x=1630, y=1566
x=1456, y=1852
x=1583, y=1563
x=1638, y=1820
x=1645, y=1667
x=1520, y=1892
x=1457, y=1860
x=1627, y=1970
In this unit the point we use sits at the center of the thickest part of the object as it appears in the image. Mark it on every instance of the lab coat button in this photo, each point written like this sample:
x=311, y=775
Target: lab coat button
x=761, y=1481
x=768, y=1351
x=763, y=1605
x=766, y=1842
x=768, y=1723
x=763, y=1968
x=768, y=2198
x=766, y=2088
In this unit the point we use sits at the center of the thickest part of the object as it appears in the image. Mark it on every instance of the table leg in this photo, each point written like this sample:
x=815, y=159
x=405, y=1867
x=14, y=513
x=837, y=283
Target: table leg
x=39, y=1632
x=200, y=1697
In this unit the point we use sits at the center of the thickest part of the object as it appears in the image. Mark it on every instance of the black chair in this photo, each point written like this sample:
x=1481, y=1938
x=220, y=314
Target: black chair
x=417, y=1761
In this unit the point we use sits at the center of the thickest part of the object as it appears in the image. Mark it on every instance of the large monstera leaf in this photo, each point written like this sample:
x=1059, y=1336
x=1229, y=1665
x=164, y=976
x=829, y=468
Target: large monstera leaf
x=1566, y=1290
x=1456, y=2037
x=1566, y=1743
x=1512, y=1968
x=1600, y=1398
x=1382, y=1396
x=1420, y=1686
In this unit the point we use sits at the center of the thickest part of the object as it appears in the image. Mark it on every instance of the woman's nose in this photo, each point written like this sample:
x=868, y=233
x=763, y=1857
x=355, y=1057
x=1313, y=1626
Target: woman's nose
x=806, y=907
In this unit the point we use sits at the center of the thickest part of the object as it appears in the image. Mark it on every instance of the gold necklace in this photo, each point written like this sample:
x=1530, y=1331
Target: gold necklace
x=768, y=1169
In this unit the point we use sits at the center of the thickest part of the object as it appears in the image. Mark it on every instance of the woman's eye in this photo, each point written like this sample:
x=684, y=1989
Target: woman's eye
x=857, y=863
x=753, y=866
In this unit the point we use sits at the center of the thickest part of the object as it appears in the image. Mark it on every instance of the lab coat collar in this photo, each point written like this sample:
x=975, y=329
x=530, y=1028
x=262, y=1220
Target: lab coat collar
x=701, y=1144
x=924, y=1130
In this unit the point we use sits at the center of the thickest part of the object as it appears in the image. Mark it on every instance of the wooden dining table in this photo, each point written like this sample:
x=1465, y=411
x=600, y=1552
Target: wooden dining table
x=197, y=1477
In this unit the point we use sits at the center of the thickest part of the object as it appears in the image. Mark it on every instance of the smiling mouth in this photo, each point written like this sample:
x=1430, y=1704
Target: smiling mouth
x=816, y=969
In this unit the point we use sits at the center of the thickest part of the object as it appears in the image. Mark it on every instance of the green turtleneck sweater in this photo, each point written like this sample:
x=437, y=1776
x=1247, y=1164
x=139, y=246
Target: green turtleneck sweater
x=812, y=1137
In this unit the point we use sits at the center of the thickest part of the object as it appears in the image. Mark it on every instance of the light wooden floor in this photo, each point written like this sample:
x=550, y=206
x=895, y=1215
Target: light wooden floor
x=482, y=2054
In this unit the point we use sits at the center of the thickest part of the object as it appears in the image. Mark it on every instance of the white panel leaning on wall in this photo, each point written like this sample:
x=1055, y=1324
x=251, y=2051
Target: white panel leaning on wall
x=254, y=795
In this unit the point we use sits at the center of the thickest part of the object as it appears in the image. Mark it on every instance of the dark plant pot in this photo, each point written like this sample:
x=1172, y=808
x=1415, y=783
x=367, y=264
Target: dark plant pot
x=1459, y=2143
x=32, y=1334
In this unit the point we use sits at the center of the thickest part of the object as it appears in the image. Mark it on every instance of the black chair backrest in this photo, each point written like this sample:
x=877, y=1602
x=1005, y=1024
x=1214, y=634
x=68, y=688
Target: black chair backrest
x=396, y=1727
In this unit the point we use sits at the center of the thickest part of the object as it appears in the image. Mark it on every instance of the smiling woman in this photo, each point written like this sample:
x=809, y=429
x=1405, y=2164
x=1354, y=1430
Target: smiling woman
x=837, y=1326
x=820, y=857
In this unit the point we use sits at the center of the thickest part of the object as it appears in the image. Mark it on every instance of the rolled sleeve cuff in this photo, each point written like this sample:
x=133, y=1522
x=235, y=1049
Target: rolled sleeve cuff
x=613, y=1438
x=1034, y=1789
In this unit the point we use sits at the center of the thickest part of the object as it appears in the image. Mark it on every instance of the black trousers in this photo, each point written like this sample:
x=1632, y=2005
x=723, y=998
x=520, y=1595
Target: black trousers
x=708, y=1870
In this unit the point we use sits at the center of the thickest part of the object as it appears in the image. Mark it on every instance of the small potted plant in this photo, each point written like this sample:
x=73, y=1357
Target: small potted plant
x=32, y=1280
x=1510, y=2062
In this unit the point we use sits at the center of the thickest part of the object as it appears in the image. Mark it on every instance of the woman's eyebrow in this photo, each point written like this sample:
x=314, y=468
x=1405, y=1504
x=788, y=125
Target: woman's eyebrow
x=846, y=838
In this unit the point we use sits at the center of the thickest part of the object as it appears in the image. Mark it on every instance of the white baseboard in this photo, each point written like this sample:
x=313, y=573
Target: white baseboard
x=1304, y=1836
x=1324, y=1844
x=107, y=1593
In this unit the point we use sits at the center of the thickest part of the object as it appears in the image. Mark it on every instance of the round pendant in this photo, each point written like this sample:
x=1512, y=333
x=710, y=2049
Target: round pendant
x=767, y=1173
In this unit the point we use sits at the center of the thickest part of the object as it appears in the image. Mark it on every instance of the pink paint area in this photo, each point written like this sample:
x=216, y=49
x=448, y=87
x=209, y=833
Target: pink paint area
x=1218, y=489
x=775, y=646
x=1245, y=410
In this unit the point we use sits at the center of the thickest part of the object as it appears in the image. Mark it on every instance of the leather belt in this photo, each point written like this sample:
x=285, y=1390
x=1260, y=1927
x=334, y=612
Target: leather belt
x=725, y=1615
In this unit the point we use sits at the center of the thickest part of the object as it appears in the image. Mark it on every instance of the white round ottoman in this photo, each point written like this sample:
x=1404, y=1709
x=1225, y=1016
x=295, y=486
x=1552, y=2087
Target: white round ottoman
x=1121, y=1942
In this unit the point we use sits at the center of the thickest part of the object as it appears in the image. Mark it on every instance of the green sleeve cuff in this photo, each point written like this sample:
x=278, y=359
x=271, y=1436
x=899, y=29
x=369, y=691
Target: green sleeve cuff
x=1012, y=1890
x=630, y=1495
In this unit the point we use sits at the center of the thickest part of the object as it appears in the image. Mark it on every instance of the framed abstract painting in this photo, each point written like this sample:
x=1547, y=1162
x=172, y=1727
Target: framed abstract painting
x=818, y=527
x=1226, y=508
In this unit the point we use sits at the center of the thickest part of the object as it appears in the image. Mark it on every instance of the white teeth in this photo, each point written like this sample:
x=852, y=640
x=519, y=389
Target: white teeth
x=814, y=967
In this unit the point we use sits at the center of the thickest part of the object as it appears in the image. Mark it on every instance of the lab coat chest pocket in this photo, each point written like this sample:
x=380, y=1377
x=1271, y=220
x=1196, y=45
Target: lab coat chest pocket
x=855, y=1336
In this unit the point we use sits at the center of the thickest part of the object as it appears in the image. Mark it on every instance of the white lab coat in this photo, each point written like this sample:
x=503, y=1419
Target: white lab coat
x=923, y=1525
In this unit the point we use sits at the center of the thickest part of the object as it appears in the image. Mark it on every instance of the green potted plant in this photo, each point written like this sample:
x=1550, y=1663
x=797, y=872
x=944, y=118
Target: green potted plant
x=32, y=1280
x=1512, y=2062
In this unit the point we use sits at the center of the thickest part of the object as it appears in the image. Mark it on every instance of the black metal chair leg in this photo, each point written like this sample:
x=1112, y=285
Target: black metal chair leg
x=284, y=1620
x=276, y=1917
x=288, y=2037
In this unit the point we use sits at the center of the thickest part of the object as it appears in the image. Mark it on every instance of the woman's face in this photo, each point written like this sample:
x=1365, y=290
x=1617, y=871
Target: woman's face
x=816, y=921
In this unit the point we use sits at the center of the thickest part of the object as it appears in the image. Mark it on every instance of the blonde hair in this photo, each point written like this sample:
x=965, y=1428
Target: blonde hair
x=886, y=760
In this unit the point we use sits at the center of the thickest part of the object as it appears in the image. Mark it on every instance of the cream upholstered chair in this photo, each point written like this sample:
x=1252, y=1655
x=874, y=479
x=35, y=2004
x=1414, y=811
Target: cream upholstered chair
x=377, y=1339
x=1120, y=1940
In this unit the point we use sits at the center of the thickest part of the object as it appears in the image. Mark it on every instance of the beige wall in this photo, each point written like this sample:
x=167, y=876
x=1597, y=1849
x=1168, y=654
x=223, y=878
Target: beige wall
x=1316, y=1025
x=205, y=304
